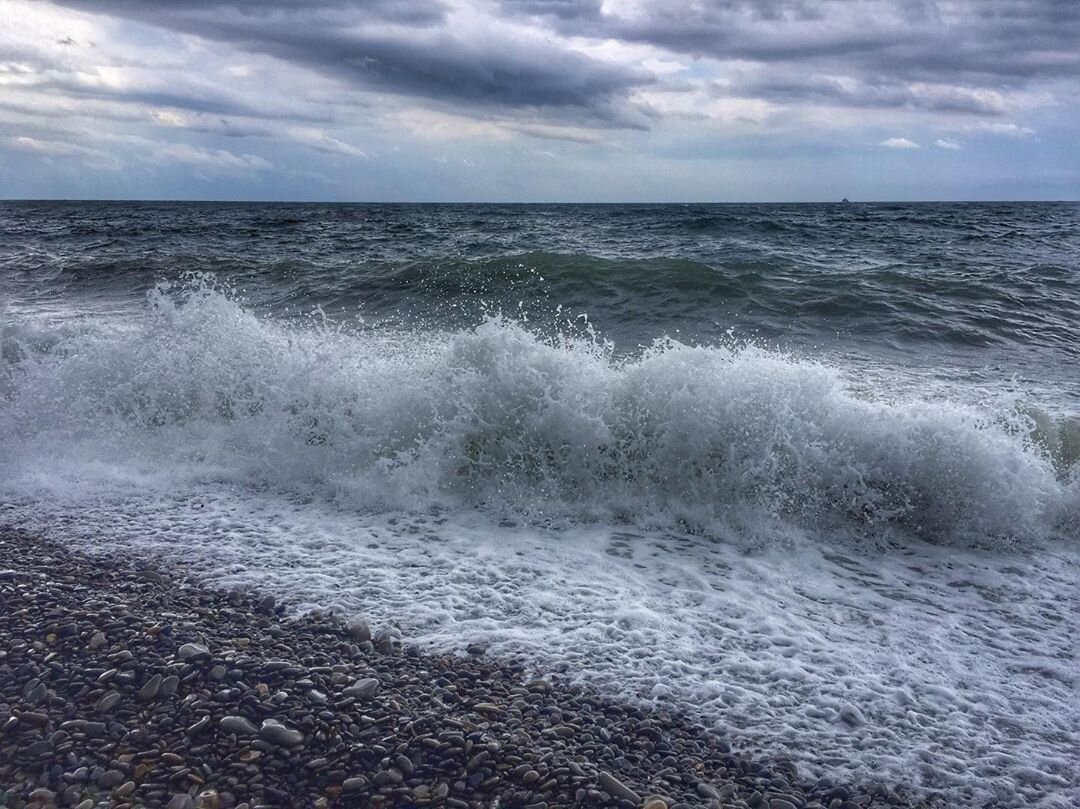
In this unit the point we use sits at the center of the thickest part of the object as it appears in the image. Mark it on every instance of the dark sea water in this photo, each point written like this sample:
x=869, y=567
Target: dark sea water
x=809, y=471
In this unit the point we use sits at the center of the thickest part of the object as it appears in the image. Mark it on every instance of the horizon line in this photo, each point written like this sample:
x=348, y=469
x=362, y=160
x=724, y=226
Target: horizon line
x=843, y=201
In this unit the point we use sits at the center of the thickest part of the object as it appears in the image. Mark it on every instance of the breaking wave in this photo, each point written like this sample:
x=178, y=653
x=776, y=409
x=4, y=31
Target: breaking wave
x=201, y=388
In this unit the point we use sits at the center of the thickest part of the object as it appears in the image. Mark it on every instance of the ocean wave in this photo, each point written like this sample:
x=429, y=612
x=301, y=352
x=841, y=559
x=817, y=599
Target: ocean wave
x=500, y=418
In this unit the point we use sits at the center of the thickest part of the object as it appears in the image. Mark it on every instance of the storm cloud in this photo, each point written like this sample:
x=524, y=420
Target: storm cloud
x=405, y=48
x=343, y=93
x=951, y=55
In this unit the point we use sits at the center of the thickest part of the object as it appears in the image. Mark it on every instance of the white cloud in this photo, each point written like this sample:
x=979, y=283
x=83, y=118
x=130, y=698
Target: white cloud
x=1009, y=130
x=190, y=155
x=320, y=141
x=948, y=143
x=899, y=143
x=50, y=148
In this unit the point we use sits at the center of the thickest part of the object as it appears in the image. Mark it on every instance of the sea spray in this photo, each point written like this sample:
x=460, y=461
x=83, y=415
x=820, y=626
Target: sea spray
x=805, y=472
x=498, y=417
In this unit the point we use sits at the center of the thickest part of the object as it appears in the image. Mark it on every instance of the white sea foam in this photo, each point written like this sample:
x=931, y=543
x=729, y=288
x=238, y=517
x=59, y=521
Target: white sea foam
x=883, y=588
x=495, y=417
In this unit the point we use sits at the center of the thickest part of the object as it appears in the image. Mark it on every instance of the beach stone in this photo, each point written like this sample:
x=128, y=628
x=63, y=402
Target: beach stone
x=40, y=748
x=267, y=605
x=366, y=688
x=276, y=733
x=338, y=728
x=124, y=789
x=169, y=685
x=617, y=789
x=33, y=718
x=404, y=763
x=192, y=650
x=238, y=725
x=708, y=791
x=110, y=779
x=107, y=702
x=150, y=689
x=97, y=640
x=387, y=640
x=358, y=630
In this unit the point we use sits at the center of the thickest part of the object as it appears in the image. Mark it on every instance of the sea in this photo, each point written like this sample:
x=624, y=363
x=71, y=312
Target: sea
x=808, y=473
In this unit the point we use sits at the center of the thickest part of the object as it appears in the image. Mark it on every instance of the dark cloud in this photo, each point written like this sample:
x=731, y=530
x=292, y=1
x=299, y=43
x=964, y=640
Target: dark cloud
x=992, y=44
x=402, y=48
x=881, y=94
x=951, y=56
x=202, y=103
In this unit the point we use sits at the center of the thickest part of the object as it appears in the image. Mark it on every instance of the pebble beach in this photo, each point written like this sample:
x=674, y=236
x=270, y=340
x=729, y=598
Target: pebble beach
x=126, y=684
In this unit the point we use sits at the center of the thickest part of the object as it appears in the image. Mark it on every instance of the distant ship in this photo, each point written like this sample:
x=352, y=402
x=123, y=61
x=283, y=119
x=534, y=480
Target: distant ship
x=846, y=201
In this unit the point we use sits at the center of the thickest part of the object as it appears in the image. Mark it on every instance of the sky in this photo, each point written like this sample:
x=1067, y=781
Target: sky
x=540, y=100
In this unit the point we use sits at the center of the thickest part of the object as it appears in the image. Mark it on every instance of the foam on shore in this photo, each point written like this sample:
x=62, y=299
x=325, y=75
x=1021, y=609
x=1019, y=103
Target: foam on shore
x=883, y=586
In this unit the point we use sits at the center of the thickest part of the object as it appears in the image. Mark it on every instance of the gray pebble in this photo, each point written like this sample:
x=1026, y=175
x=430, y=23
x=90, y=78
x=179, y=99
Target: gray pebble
x=238, y=725
x=358, y=630
x=363, y=689
x=150, y=689
x=276, y=733
x=192, y=650
x=617, y=789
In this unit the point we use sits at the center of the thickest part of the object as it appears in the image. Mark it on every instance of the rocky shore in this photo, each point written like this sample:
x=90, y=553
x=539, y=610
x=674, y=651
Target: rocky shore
x=122, y=684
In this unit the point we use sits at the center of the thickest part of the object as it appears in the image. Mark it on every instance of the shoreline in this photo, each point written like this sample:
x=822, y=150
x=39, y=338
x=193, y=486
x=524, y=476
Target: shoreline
x=124, y=683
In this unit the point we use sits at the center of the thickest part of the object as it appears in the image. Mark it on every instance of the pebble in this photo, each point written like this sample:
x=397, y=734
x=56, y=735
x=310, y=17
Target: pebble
x=150, y=690
x=124, y=789
x=358, y=630
x=169, y=685
x=617, y=789
x=192, y=650
x=363, y=689
x=33, y=718
x=238, y=726
x=107, y=702
x=296, y=710
x=110, y=779
x=276, y=733
x=707, y=791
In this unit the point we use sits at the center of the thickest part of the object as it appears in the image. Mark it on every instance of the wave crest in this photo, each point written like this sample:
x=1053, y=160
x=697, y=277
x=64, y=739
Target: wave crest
x=497, y=417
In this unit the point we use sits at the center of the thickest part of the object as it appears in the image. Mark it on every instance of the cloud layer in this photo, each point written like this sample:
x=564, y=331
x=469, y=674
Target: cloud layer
x=370, y=88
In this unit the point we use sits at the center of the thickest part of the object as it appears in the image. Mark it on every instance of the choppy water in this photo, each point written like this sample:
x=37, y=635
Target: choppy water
x=809, y=470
